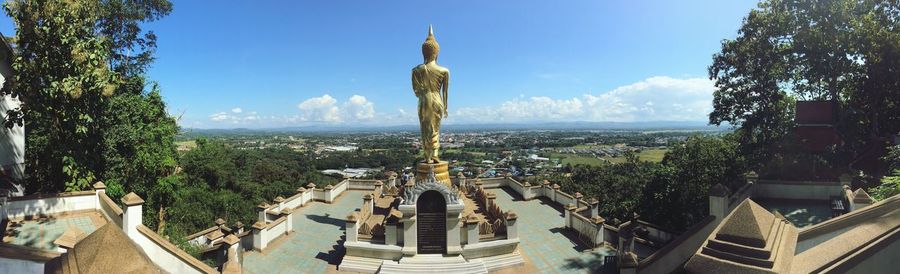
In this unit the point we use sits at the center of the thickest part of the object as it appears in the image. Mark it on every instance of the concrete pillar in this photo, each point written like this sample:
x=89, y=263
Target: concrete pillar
x=595, y=207
x=369, y=203
x=232, y=263
x=409, y=229
x=351, y=228
x=379, y=188
x=718, y=201
x=329, y=194
x=259, y=241
x=570, y=209
x=453, y=243
x=99, y=187
x=133, y=214
x=279, y=201
x=390, y=233
x=261, y=212
x=554, y=191
x=472, y=230
x=289, y=222
x=601, y=235
x=512, y=232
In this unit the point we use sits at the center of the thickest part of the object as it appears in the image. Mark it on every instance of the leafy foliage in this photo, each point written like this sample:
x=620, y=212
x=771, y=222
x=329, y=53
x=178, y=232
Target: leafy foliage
x=221, y=182
x=63, y=80
x=843, y=50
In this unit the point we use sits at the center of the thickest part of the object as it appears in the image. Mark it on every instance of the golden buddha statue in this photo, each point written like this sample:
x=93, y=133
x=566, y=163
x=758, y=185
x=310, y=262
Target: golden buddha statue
x=430, y=83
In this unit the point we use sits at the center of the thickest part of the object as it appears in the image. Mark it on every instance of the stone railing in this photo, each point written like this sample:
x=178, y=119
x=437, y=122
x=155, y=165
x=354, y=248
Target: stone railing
x=48, y=204
x=110, y=209
x=673, y=255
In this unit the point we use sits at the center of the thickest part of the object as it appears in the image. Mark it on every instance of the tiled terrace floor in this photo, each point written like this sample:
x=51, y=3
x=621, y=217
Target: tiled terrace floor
x=315, y=244
x=314, y=247
x=40, y=233
x=549, y=247
x=800, y=213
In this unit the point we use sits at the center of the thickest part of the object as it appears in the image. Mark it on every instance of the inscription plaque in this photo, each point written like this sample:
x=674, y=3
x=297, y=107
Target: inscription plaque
x=431, y=222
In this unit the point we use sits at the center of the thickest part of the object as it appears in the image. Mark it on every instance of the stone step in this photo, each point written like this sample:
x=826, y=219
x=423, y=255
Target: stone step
x=432, y=259
x=503, y=261
x=360, y=264
x=441, y=268
x=433, y=264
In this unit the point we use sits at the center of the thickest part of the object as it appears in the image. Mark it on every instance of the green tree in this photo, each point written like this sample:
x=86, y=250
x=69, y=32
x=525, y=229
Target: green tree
x=677, y=196
x=841, y=50
x=62, y=79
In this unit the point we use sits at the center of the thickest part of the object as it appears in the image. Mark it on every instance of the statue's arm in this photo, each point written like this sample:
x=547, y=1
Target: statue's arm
x=444, y=88
x=414, y=83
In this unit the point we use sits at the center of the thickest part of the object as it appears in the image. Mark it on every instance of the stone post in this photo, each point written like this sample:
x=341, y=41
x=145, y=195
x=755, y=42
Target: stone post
x=491, y=198
x=554, y=191
x=570, y=209
x=238, y=227
x=453, y=226
x=409, y=229
x=289, y=220
x=351, y=228
x=379, y=188
x=99, y=187
x=133, y=214
x=392, y=181
x=545, y=188
x=390, y=232
x=231, y=244
x=329, y=194
x=280, y=202
x=472, y=229
x=368, y=202
x=512, y=231
x=259, y=242
x=220, y=223
x=718, y=201
x=461, y=180
x=601, y=235
x=595, y=207
x=301, y=191
x=261, y=212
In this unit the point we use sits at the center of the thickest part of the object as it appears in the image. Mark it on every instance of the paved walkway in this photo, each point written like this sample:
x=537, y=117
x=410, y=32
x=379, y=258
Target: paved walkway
x=315, y=246
x=40, y=233
x=549, y=247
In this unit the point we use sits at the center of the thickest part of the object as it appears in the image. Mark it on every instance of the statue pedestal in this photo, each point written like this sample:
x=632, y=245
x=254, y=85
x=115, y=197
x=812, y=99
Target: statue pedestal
x=441, y=172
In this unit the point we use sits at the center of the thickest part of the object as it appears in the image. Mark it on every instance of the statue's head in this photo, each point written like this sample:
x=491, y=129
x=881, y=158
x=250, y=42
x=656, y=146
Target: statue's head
x=430, y=48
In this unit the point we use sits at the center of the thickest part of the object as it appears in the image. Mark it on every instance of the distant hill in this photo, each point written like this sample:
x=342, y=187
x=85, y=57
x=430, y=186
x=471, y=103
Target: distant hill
x=656, y=125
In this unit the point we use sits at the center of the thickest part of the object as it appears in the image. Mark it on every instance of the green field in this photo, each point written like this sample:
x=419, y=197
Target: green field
x=188, y=145
x=649, y=155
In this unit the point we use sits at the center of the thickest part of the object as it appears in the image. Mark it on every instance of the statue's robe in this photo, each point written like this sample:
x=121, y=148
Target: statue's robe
x=427, y=83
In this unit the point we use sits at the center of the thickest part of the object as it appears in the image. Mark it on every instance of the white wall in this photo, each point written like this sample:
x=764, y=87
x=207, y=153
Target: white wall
x=162, y=257
x=51, y=205
x=8, y=265
x=12, y=141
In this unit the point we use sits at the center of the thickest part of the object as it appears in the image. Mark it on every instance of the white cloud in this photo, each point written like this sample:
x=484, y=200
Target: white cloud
x=320, y=109
x=221, y=116
x=327, y=109
x=359, y=108
x=653, y=99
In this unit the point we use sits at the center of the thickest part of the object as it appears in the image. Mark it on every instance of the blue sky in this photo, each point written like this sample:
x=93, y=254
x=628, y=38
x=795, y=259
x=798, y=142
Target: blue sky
x=259, y=64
